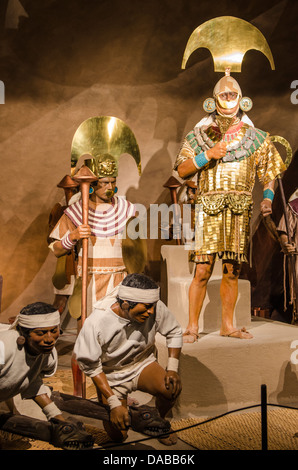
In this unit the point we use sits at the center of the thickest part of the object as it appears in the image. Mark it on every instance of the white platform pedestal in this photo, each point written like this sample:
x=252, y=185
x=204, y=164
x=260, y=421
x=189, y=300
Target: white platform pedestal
x=177, y=277
x=222, y=374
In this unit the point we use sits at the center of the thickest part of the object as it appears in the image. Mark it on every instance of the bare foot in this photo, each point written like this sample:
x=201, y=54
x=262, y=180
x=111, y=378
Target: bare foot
x=169, y=440
x=241, y=334
x=190, y=336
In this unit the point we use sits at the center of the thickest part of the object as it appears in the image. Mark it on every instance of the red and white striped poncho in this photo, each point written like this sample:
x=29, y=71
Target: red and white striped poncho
x=103, y=224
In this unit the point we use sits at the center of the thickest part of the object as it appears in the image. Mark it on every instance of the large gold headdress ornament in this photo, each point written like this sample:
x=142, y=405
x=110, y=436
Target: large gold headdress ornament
x=102, y=140
x=228, y=39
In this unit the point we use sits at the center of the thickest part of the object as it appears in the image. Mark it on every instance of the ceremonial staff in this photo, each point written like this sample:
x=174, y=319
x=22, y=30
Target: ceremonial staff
x=84, y=177
x=65, y=264
x=99, y=142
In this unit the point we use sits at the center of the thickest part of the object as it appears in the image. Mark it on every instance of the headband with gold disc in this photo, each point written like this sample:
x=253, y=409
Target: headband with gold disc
x=104, y=139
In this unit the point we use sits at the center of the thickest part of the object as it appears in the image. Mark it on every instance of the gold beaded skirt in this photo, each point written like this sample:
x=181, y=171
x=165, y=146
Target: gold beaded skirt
x=225, y=235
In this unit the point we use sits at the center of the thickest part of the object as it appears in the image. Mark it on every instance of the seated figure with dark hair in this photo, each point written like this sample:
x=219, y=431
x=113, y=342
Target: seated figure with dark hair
x=116, y=348
x=29, y=354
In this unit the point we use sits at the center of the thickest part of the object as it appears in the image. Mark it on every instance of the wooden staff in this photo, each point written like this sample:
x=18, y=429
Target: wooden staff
x=84, y=177
x=68, y=185
x=64, y=264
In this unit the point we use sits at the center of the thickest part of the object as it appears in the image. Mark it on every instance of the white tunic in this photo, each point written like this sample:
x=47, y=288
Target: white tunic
x=122, y=348
x=20, y=372
x=106, y=267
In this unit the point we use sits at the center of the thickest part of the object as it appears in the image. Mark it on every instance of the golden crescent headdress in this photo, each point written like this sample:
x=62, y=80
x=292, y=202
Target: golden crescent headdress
x=105, y=139
x=228, y=39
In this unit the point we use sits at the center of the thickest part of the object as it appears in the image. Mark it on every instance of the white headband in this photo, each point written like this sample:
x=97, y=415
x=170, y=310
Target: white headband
x=37, y=321
x=133, y=294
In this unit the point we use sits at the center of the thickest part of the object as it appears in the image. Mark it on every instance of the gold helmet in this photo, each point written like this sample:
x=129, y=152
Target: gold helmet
x=100, y=142
x=227, y=94
x=227, y=84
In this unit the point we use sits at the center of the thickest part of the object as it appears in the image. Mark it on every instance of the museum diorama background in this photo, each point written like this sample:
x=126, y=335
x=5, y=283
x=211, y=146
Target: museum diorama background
x=63, y=61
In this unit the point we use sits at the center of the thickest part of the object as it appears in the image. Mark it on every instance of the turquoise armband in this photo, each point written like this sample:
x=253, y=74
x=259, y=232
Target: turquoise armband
x=268, y=194
x=201, y=160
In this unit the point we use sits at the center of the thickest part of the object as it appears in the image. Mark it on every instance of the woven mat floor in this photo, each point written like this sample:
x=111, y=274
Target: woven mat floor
x=242, y=431
x=230, y=432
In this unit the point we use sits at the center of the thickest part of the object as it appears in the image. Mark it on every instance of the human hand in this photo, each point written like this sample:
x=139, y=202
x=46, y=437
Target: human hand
x=120, y=418
x=82, y=231
x=172, y=380
x=289, y=248
x=266, y=207
x=218, y=151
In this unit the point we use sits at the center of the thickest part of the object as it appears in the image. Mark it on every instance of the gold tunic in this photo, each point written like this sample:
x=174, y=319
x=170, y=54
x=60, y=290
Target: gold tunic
x=224, y=198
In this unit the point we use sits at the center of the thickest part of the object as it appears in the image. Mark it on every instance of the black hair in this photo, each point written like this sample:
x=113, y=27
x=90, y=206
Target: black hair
x=38, y=308
x=139, y=281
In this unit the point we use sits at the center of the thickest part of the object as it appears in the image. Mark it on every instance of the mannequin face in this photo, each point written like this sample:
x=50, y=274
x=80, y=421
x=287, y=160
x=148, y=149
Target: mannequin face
x=104, y=191
x=42, y=340
x=140, y=313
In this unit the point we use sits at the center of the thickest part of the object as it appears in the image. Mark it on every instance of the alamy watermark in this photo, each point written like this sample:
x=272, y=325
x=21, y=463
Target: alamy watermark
x=2, y=92
x=161, y=221
x=294, y=94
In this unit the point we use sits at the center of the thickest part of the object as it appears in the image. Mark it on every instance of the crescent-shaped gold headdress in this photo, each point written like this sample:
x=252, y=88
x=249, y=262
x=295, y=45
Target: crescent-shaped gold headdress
x=104, y=139
x=228, y=39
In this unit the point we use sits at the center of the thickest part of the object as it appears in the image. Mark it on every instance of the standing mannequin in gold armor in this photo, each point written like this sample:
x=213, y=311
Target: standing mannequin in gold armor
x=225, y=151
